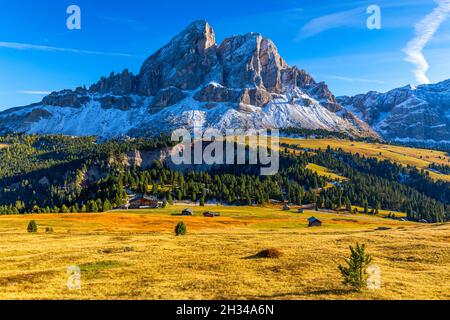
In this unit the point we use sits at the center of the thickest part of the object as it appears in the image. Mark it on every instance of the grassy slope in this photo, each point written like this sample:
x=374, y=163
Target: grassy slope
x=134, y=255
x=420, y=158
x=325, y=172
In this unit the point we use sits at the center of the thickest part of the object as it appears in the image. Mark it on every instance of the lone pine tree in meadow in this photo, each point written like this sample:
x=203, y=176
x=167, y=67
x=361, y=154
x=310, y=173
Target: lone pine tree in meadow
x=355, y=274
x=180, y=229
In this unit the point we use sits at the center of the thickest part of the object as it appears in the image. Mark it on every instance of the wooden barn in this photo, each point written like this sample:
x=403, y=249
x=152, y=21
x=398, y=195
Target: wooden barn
x=144, y=201
x=187, y=212
x=314, y=222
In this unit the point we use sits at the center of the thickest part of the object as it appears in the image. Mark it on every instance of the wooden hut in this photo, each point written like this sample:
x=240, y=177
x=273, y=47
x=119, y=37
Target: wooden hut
x=187, y=212
x=314, y=222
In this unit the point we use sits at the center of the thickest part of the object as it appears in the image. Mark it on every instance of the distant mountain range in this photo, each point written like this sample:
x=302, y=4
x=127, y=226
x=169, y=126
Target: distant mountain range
x=241, y=83
x=408, y=114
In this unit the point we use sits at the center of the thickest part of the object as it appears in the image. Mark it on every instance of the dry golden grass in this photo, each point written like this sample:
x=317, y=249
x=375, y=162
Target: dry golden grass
x=135, y=255
x=420, y=158
x=325, y=172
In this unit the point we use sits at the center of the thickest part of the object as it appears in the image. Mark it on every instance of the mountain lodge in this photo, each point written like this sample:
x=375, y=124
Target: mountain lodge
x=144, y=202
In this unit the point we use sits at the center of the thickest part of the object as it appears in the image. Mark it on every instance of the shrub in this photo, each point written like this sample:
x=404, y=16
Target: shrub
x=180, y=229
x=49, y=230
x=355, y=275
x=32, y=227
x=270, y=254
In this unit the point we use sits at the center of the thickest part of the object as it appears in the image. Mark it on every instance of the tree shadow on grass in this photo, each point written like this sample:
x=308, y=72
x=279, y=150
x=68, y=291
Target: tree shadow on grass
x=253, y=257
x=336, y=292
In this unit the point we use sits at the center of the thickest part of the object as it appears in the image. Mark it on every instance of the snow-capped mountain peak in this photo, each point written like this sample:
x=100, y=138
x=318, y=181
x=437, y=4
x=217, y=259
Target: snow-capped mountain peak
x=241, y=83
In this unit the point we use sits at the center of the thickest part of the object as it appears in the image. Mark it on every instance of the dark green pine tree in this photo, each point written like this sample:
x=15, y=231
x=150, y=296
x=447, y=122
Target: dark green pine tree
x=355, y=273
x=366, y=207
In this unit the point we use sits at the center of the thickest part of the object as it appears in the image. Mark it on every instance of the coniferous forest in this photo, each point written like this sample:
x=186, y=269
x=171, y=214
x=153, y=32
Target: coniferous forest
x=58, y=174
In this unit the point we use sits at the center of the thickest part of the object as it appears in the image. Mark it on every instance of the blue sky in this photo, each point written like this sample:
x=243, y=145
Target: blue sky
x=329, y=39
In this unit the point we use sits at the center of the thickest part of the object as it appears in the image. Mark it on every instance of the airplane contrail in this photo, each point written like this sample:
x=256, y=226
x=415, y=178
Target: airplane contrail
x=425, y=31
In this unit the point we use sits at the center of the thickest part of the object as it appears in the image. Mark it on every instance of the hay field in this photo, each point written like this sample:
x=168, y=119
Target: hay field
x=135, y=255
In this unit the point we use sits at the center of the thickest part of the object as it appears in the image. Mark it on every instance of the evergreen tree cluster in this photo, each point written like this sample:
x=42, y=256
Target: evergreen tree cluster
x=381, y=184
x=444, y=169
x=56, y=174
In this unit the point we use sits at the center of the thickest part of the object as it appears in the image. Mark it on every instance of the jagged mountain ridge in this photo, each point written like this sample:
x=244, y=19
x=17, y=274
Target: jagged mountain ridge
x=241, y=83
x=409, y=114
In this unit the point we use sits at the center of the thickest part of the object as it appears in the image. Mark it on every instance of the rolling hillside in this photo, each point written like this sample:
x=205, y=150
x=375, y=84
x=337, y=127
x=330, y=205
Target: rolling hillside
x=420, y=158
x=56, y=174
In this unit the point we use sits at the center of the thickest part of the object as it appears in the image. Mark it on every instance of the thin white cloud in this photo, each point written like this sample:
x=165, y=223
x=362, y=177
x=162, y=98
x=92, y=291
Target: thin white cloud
x=340, y=19
x=425, y=31
x=356, y=18
x=27, y=46
x=38, y=93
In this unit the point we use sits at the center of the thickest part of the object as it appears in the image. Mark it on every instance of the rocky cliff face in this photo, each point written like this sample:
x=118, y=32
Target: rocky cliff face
x=409, y=114
x=241, y=83
x=185, y=62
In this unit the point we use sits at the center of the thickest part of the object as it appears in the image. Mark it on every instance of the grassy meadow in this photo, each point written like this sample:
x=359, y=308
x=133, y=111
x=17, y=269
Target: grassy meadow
x=326, y=173
x=135, y=255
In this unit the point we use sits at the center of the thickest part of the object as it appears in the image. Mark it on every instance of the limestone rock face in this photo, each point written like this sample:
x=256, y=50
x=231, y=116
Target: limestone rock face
x=324, y=95
x=293, y=77
x=255, y=97
x=251, y=96
x=251, y=61
x=167, y=97
x=37, y=115
x=117, y=84
x=185, y=62
x=66, y=98
x=193, y=58
x=416, y=114
x=113, y=102
x=217, y=93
